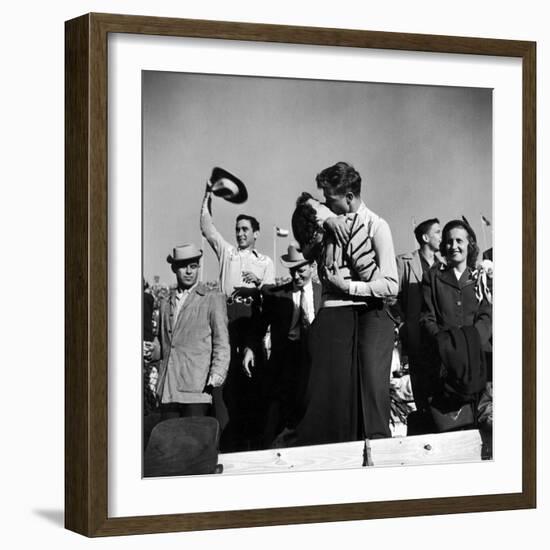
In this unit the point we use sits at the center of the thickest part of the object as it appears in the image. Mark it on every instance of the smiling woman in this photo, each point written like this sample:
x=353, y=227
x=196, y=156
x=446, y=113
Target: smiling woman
x=457, y=316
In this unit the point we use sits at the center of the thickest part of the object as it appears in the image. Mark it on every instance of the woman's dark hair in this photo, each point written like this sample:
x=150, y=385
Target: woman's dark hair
x=304, y=220
x=473, y=249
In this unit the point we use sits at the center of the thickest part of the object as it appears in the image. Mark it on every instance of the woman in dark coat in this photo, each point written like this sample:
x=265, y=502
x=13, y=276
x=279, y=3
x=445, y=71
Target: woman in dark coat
x=457, y=318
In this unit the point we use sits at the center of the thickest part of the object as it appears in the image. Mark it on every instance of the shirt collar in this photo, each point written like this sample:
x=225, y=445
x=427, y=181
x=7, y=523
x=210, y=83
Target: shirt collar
x=248, y=251
x=363, y=210
x=306, y=288
x=180, y=293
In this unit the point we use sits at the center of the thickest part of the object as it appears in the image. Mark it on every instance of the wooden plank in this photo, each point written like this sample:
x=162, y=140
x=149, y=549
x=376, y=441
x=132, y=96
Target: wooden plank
x=445, y=448
x=294, y=459
x=453, y=447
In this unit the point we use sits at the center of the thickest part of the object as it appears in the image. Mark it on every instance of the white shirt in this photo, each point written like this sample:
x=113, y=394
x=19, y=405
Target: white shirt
x=181, y=296
x=294, y=331
x=233, y=261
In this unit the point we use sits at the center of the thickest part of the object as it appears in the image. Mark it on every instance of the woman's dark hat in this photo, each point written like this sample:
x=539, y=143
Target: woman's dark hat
x=227, y=186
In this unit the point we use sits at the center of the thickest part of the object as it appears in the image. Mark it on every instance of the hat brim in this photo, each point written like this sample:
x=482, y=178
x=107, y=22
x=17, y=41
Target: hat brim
x=171, y=260
x=290, y=264
x=237, y=198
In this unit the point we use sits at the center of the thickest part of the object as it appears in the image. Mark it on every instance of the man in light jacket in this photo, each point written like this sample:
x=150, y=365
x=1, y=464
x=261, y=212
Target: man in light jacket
x=193, y=340
x=411, y=268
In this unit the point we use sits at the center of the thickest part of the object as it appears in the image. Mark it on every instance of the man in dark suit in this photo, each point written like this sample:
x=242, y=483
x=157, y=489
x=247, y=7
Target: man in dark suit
x=288, y=311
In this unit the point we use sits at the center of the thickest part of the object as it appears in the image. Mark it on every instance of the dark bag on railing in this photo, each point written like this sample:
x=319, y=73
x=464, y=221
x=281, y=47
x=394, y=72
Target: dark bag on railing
x=182, y=446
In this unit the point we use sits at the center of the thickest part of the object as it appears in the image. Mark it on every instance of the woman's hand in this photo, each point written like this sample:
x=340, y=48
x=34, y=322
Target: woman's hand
x=338, y=227
x=334, y=277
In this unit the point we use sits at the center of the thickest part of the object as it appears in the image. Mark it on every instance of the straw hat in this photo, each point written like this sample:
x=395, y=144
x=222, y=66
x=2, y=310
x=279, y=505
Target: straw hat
x=293, y=258
x=183, y=253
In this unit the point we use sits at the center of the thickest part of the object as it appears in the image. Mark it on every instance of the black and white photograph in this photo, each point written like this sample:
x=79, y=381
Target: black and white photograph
x=317, y=274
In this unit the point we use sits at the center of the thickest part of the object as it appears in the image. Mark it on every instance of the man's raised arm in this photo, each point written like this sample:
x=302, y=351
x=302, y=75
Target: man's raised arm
x=208, y=230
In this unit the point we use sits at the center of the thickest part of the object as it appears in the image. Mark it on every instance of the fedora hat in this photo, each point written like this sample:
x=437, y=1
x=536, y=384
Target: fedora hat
x=183, y=253
x=226, y=185
x=182, y=446
x=293, y=258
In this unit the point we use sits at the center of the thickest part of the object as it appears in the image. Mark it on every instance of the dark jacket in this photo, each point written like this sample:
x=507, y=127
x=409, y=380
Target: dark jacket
x=277, y=310
x=449, y=303
x=410, y=300
x=463, y=374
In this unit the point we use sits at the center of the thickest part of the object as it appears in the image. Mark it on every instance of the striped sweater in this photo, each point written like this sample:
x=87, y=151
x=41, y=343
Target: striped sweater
x=356, y=262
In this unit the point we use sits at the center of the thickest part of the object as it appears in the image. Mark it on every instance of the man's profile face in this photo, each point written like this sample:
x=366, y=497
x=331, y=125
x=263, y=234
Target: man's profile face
x=337, y=202
x=301, y=275
x=246, y=238
x=433, y=237
x=187, y=273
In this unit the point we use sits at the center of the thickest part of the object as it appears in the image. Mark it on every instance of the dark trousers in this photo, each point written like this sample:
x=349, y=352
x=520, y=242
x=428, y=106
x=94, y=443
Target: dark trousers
x=284, y=388
x=375, y=347
x=242, y=399
x=178, y=410
x=424, y=379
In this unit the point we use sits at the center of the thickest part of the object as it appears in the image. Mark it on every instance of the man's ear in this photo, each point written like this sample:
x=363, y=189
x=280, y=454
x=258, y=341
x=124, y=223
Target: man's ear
x=349, y=197
x=425, y=238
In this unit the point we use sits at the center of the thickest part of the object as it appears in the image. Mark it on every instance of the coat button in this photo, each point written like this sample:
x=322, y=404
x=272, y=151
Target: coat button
x=458, y=303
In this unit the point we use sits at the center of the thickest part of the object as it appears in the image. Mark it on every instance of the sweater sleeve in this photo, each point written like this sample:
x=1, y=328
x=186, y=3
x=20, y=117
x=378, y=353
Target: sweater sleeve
x=386, y=284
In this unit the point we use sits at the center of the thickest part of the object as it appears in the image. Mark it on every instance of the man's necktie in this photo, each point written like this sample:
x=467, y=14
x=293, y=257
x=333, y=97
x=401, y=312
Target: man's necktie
x=304, y=319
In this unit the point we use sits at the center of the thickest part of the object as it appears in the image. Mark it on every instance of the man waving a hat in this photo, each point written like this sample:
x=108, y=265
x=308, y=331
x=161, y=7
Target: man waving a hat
x=242, y=273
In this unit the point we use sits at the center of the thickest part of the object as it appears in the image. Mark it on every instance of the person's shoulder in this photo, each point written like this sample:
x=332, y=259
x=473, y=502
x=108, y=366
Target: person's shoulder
x=407, y=256
x=372, y=220
x=212, y=292
x=273, y=291
x=438, y=270
x=165, y=297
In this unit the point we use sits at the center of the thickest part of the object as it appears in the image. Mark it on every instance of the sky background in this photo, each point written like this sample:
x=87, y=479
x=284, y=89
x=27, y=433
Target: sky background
x=422, y=152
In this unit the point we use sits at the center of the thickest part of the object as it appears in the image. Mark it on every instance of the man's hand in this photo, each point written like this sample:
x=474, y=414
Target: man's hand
x=248, y=362
x=214, y=380
x=249, y=277
x=339, y=228
x=334, y=277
